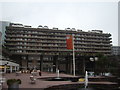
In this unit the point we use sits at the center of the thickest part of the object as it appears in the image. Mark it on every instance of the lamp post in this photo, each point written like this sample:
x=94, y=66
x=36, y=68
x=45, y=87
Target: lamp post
x=94, y=60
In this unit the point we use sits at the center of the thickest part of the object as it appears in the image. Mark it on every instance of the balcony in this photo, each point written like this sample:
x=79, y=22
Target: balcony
x=36, y=37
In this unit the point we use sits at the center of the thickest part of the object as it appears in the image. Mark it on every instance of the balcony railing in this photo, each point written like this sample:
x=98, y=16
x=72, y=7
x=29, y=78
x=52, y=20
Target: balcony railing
x=36, y=37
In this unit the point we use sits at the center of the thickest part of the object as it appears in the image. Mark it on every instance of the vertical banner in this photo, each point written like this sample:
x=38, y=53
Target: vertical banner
x=70, y=45
x=69, y=41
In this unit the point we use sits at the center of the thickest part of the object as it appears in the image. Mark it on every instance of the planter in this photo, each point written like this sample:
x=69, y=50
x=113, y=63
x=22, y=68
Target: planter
x=14, y=86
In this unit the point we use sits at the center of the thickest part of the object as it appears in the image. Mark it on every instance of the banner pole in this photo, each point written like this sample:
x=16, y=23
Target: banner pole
x=73, y=57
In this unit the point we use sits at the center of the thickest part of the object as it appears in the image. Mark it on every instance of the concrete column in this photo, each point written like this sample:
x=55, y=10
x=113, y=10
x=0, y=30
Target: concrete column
x=67, y=66
x=41, y=63
x=35, y=63
x=84, y=69
x=15, y=68
x=71, y=67
x=24, y=64
x=27, y=61
x=10, y=69
x=55, y=58
x=5, y=69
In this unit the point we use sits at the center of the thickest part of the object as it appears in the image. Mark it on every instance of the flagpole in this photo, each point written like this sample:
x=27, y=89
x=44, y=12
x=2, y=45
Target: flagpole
x=73, y=57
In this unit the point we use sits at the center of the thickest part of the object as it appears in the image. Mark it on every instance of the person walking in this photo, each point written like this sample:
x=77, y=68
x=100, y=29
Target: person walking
x=40, y=74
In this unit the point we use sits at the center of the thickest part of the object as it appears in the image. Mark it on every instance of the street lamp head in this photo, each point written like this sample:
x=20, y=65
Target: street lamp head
x=96, y=58
x=91, y=59
x=53, y=65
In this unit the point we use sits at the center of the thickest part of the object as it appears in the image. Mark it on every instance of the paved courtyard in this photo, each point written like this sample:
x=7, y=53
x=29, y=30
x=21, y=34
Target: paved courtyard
x=25, y=78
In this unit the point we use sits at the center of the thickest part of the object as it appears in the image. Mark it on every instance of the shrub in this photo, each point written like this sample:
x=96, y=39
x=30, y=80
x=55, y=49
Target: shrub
x=11, y=81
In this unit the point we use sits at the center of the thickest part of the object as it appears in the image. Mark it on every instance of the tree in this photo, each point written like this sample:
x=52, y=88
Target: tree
x=102, y=64
x=114, y=67
x=106, y=64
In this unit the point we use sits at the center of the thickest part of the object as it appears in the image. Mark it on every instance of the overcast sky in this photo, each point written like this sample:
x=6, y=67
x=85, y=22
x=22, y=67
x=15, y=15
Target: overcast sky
x=79, y=15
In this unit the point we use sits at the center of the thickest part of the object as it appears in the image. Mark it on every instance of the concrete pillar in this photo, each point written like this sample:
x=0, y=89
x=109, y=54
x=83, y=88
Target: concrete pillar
x=34, y=63
x=41, y=63
x=71, y=67
x=84, y=69
x=15, y=68
x=24, y=64
x=10, y=69
x=55, y=58
x=67, y=64
x=5, y=69
x=27, y=61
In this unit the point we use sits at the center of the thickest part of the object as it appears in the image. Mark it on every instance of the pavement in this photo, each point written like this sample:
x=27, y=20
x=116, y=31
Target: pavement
x=40, y=83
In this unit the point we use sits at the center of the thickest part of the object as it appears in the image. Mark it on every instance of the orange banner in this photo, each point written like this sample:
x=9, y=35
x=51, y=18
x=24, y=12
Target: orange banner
x=69, y=41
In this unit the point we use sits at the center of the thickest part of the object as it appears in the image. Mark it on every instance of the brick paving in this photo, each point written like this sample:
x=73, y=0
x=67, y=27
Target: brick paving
x=25, y=78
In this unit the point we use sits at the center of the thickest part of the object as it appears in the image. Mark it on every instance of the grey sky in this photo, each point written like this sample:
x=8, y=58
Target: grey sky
x=79, y=15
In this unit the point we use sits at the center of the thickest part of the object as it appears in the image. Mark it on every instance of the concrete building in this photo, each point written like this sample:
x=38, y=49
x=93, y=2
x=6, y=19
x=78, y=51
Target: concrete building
x=46, y=49
x=3, y=25
x=116, y=50
x=119, y=23
x=7, y=64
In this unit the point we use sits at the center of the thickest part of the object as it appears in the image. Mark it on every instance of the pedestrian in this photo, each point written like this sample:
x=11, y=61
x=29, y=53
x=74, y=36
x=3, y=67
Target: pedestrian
x=30, y=71
x=40, y=73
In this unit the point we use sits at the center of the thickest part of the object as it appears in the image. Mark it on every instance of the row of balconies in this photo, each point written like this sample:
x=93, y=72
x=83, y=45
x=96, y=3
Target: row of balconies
x=48, y=34
x=44, y=36
x=41, y=37
x=56, y=29
x=32, y=53
x=37, y=31
x=54, y=38
x=35, y=43
x=42, y=27
x=94, y=44
x=61, y=49
x=54, y=45
x=61, y=40
x=53, y=53
x=34, y=33
x=38, y=49
x=94, y=40
x=93, y=37
x=58, y=44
